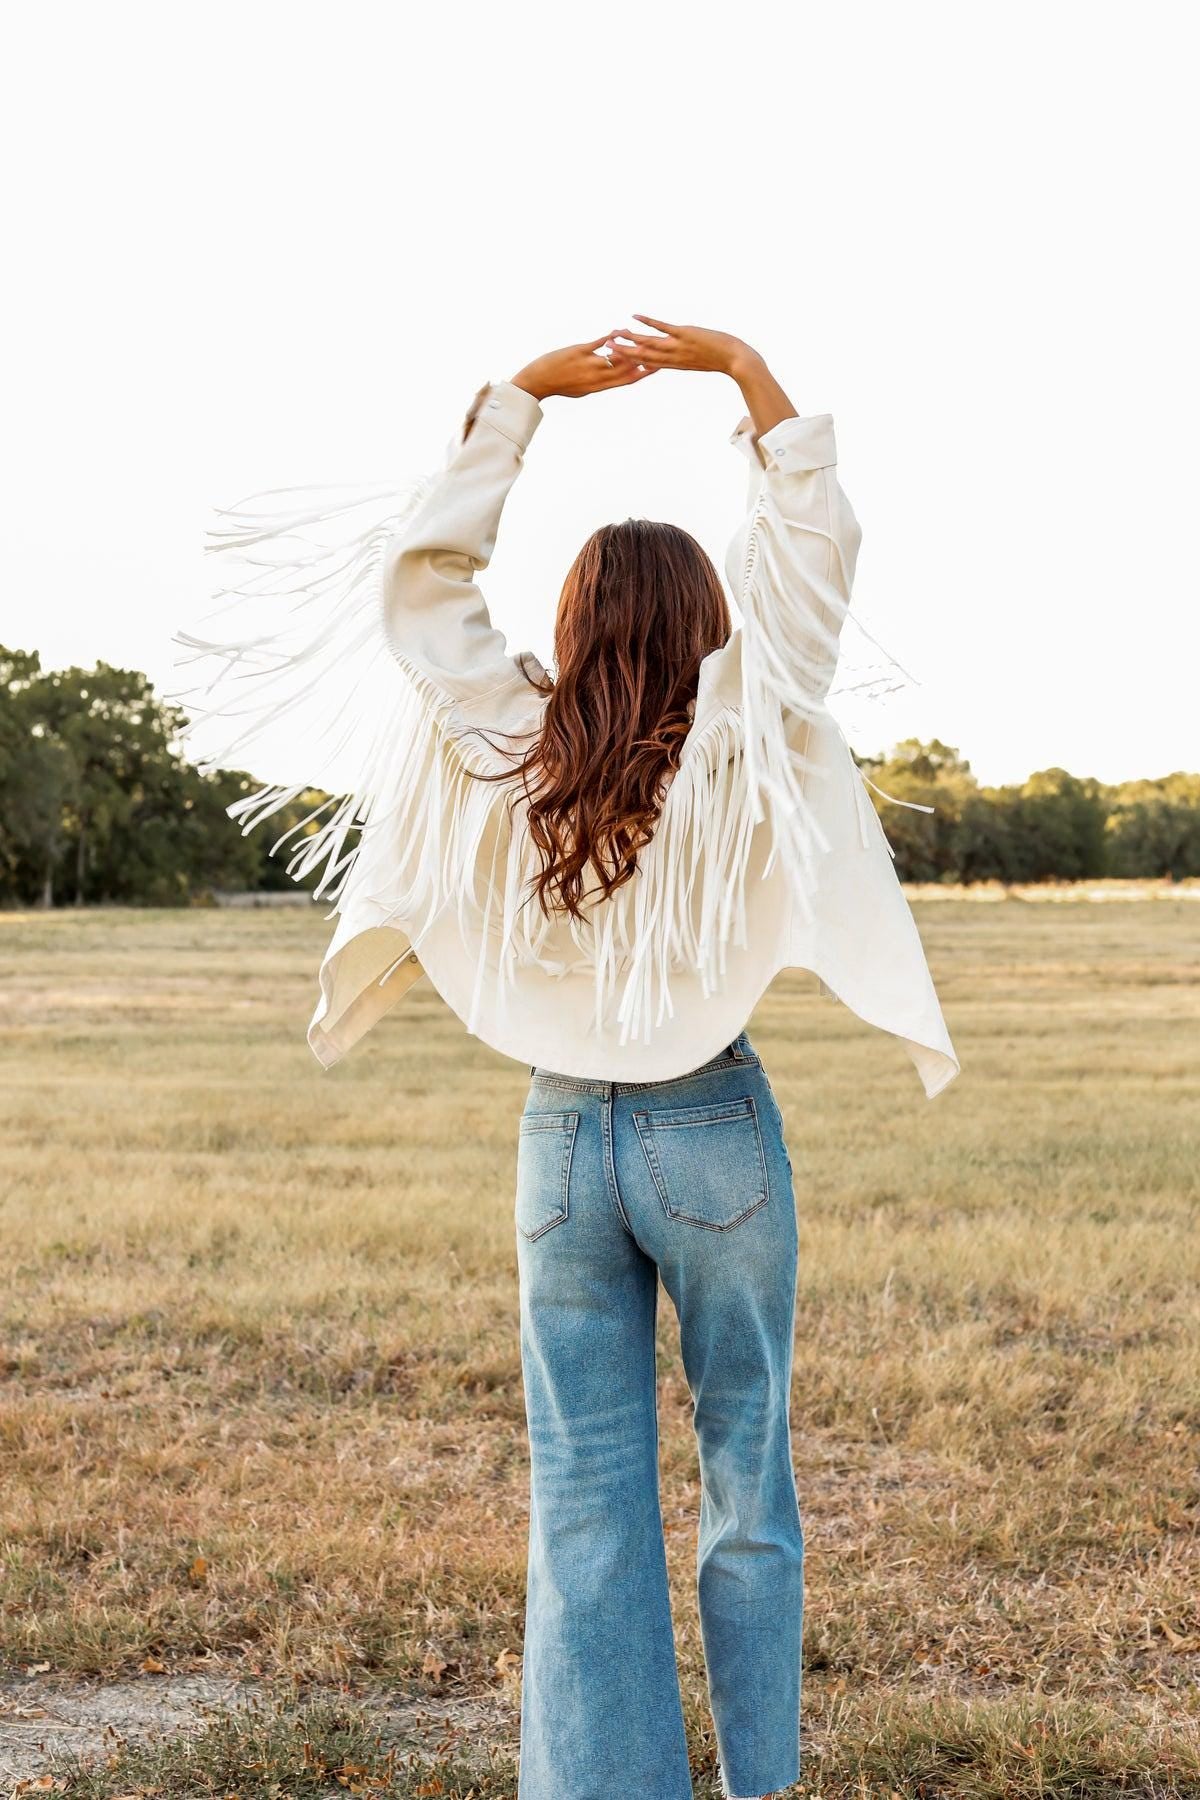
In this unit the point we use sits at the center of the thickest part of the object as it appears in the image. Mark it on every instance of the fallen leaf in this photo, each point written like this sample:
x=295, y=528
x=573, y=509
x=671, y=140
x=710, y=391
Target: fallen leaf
x=436, y=1666
x=507, y=1661
x=37, y=1668
x=199, y=1570
x=151, y=1666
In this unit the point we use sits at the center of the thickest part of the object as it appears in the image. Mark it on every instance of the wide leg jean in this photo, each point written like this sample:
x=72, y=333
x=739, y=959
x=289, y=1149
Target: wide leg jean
x=617, y=1185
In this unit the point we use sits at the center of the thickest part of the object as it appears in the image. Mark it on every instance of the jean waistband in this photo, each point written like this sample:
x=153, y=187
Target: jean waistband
x=740, y=1054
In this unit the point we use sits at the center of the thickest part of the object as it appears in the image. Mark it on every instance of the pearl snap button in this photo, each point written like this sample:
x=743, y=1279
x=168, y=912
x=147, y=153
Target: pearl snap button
x=493, y=403
x=412, y=956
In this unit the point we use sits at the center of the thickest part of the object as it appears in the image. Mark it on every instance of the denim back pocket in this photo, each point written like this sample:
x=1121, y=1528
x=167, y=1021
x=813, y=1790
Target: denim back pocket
x=544, y=1170
x=707, y=1161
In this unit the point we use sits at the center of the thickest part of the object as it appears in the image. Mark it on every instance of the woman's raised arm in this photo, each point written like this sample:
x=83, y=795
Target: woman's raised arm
x=790, y=568
x=796, y=552
x=435, y=615
x=720, y=353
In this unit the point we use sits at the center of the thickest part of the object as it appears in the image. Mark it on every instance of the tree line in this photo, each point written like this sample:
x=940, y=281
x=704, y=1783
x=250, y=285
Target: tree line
x=98, y=804
x=1052, y=827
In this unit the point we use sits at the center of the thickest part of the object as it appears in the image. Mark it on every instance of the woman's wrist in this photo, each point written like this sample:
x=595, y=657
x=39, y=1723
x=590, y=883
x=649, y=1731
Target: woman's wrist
x=765, y=400
x=524, y=378
x=745, y=364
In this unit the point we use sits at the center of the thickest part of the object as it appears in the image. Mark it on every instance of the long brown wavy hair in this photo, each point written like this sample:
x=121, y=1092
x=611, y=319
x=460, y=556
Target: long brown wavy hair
x=641, y=607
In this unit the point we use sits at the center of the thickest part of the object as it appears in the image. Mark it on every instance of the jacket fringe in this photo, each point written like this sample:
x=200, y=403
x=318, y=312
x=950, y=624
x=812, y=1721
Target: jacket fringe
x=413, y=831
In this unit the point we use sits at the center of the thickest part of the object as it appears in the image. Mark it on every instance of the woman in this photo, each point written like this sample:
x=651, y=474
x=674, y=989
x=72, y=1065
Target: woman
x=601, y=870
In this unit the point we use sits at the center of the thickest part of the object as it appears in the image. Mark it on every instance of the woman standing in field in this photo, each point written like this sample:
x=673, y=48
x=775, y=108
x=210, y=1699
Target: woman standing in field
x=601, y=869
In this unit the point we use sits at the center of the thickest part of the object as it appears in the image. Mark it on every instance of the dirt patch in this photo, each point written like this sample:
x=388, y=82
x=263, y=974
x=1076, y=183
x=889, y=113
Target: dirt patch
x=44, y=1718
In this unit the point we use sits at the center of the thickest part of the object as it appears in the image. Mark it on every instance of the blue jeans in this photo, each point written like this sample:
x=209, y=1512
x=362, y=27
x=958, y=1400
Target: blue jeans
x=617, y=1184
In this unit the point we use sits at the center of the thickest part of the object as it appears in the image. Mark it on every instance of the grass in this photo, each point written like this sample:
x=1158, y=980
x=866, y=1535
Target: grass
x=1021, y=1749
x=306, y=1752
x=262, y=1401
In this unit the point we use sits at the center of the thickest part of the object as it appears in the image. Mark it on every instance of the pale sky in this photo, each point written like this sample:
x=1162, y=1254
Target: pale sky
x=265, y=243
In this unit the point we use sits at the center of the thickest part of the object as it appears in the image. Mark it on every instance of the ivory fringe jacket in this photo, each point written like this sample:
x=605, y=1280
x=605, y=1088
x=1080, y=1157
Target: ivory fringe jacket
x=388, y=672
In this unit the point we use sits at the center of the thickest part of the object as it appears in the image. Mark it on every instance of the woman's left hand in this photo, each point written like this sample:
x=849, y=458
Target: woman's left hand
x=582, y=369
x=692, y=347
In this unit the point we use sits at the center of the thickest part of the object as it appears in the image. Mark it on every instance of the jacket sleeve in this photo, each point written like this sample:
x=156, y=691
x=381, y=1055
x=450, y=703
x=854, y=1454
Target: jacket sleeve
x=790, y=569
x=434, y=614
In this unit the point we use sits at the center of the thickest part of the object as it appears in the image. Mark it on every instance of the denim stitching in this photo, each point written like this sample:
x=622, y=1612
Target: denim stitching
x=645, y=1131
x=567, y=1084
x=560, y=1121
x=720, y=1113
x=610, y=1167
x=651, y=1156
x=568, y=1124
x=712, y=1068
x=787, y=1155
x=581, y=1085
x=711, y=1225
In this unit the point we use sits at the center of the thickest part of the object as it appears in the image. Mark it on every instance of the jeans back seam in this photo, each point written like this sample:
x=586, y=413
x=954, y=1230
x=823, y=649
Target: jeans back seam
x=610, y=1167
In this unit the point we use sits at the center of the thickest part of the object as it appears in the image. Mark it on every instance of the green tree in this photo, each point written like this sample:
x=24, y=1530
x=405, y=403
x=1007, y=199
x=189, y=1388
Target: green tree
x=931, y=774
x=986, y=843
x=37, y=780
x=97, y=802
x=1153, y=827
x=118, y=737
x=1061, y=825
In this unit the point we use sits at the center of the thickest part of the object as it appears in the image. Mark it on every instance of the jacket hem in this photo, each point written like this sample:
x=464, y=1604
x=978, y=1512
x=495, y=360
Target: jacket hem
x=936, y=1065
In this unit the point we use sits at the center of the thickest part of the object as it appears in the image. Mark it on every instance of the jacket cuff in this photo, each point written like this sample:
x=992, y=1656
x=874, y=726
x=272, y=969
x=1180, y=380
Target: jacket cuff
x=793, y=445
x=508, y=409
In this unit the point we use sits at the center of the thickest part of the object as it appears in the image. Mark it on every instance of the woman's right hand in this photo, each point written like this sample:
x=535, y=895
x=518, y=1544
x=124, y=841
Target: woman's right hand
x=692, y=347
x=580, y=369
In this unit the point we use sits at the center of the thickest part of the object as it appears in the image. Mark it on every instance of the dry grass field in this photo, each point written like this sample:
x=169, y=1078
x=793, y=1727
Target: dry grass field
x=262, y=1410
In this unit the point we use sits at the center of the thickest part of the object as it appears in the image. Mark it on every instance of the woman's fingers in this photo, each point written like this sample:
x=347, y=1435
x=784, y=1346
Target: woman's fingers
x=656, y=359
x=625, y=369
x=605, y=347
x=658, y=324
x=655, y=346
x=624, y=353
